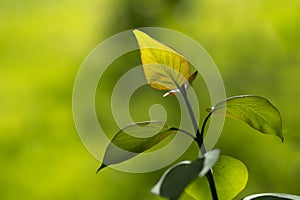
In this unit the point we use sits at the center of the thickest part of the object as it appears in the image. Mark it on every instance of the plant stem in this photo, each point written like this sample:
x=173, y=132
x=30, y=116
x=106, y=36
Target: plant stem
x=212, y=185
x=201, y=134
x=183, y=131
x=199, y=139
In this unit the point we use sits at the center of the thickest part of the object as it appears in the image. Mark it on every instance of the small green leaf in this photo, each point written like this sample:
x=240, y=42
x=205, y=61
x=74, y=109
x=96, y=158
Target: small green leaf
x=164, y=68
x=230, y=176
x=134, y=139
x=256, y=111
x=174, y=180
x=272, y=196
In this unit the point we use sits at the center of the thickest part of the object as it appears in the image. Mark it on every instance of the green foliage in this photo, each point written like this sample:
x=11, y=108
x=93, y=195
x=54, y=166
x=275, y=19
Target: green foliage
x=165, y=69
x=256, y=111
x=257, y=50
x=124, y=145
x=230, y=177
x=174, y=180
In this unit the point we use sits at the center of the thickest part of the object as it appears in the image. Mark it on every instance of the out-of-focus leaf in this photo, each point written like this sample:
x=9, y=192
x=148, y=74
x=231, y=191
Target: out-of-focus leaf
x=177, y=91
x=164, y=68
x=230, y=176
x=256, y=111
x=272, y=196
x=174, y=180
x=134, y=139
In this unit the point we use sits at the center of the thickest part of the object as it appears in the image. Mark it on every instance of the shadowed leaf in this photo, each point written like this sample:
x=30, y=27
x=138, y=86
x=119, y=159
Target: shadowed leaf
x=174, y=180
x=134, y=139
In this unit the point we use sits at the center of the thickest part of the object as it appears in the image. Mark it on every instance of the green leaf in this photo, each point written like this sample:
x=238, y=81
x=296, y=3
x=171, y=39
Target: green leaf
x=164, y=68
x=272, y=196
x=134, y=139
x=230, y=176
x=174, y=180
x=256, y=111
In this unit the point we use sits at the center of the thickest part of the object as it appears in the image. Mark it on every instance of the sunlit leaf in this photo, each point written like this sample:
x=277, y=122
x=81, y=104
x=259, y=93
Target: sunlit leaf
x=272, y=196
x=230, y=176
x=177, y=91
x=164, y=68
x=174, y=180
x=185, y=196
x=256, y=111
x=134, y=139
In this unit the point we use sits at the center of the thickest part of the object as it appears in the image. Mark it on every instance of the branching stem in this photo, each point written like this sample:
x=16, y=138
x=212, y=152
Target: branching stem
x=183, y=131
x=199, y=139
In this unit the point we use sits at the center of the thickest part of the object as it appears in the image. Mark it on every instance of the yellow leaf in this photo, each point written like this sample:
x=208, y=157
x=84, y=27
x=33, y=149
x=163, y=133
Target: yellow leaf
x=164, y=68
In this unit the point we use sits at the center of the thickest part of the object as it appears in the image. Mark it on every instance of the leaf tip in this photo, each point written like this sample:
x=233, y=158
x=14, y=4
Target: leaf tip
x=280, y=135
x=156, y=189
x=282, y=139
x=166, y=94
x=101, y=167
x=136, y=31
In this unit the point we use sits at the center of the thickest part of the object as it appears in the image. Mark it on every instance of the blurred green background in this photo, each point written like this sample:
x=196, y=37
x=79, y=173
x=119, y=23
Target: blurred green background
x=255, y=44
